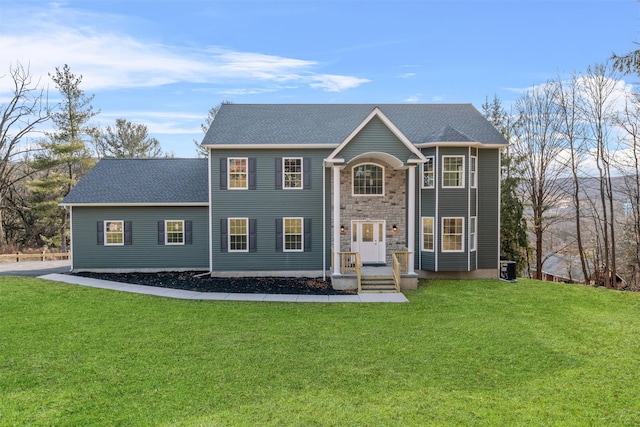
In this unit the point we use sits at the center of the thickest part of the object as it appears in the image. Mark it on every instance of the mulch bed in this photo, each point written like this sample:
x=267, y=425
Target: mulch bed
x=187, y=280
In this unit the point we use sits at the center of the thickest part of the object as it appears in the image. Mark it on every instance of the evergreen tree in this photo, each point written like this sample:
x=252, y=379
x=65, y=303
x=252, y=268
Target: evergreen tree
x=127, y=140
x=64, y=158
x=513, y=227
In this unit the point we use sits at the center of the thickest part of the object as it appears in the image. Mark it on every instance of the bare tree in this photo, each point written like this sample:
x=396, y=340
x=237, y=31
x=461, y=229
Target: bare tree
x=568, y=97
x=201, y=152
x=537, y=141
x=597, y=109
x=25, y=110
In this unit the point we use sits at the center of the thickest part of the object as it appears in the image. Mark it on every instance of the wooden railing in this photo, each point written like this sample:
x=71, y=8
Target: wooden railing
x=18, y=257
x=400, y=264
x=351, y=262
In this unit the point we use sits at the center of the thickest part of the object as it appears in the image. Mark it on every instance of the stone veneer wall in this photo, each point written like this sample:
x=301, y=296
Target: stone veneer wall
x=391, y=207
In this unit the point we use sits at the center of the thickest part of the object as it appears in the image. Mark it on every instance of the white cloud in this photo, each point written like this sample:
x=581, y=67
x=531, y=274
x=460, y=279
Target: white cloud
x=110, y=59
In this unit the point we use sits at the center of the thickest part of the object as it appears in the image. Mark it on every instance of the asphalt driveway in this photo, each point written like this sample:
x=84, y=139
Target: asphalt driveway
x=34, y=268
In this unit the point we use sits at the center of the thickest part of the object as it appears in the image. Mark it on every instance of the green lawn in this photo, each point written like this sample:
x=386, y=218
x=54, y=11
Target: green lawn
x=461, y=353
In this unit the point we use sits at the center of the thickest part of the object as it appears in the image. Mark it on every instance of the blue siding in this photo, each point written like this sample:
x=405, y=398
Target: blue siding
x=144, y=252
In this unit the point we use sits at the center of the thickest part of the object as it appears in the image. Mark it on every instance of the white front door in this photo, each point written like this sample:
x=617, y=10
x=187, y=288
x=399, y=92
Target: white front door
x=368, y=238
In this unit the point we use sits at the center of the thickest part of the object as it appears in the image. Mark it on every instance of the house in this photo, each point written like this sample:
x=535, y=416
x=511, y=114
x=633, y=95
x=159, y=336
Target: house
x=305, y=190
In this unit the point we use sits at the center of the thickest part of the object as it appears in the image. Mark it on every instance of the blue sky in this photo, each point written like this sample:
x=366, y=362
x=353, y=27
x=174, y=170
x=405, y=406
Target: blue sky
x=165, y=63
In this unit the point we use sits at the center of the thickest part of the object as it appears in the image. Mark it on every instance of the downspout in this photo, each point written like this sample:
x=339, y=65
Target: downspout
x=436, y=226
x=70, y=236
x=209, y=155
x=324, y=221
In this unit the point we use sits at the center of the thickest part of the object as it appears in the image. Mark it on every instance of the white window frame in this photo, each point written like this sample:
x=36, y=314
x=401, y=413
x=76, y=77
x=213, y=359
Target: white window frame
x=285, y=234
x=107, y=232
x=460, y=173
x=230, y=234
x=473, y=172
x=473, y=234
x=443, y=235
x=167, y=231
x=433, y=234
x=353, y=180
x=285, y=173
x=230, y=173
x=432, y=173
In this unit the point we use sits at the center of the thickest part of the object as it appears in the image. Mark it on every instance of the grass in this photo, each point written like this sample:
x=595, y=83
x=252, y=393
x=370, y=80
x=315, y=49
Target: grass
x=461, y=353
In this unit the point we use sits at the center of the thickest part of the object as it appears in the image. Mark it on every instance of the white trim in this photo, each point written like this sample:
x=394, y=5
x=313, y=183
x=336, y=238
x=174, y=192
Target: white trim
x=384, y=171
x=246, y=220
x=284, y=234
x=268, y=146
x=377, y=113
x=203, y=204
x=462, y=172
x=284, y=181
x=105, y=229
x=436, y=219
x=246, y=173
x=71, y=251
x=460, y=144
x=433, y=233
x=442, y=233
x=433, y=172
x=209, y=181
x=166, y=233
x=324, y=221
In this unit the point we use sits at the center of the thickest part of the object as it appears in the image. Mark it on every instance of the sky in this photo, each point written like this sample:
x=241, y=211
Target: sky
x=166, y=63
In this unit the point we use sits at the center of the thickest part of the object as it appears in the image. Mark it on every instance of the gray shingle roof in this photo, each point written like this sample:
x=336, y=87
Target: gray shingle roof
x=141, y=181
x=332, y=123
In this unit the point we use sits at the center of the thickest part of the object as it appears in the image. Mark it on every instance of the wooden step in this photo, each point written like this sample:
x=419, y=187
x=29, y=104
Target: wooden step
x=379, y=284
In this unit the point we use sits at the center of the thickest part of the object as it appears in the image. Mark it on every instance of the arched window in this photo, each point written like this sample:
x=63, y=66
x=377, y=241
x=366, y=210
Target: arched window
x=368, y=179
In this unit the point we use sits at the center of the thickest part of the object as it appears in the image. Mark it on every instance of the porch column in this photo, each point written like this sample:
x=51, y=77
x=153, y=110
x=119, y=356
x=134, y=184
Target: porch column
x=335, y=195
x=411, y=217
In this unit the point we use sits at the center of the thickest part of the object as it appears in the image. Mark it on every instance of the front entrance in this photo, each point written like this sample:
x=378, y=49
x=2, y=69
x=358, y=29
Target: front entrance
x=368, y=238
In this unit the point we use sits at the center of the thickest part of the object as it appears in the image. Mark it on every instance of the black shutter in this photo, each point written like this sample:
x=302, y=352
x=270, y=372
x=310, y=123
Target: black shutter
x=279, y=235
x=161, y=232
x=253, y=235
x=252, y=173
x=100, y=226
x=187, y=232
x=307, y=234
x=223, y=173
x=278, y=173
x=223, y=235
x=128, y=238
x=306, y=173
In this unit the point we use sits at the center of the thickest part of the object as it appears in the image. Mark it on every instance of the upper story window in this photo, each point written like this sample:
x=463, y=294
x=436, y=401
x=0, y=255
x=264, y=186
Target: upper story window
x=114, y=232
x=237, y=173
x=473, y=172
x=292, y=171
x=453, y=171
x=174, y=232
x=428, y=173
x=368, y=180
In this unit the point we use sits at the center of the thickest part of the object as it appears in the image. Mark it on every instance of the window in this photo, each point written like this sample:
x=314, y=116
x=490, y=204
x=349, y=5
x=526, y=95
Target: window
x=427, y=173
x=238, y=235
x=473, y=235
x=238, y=173
x=427, y=234
x=452, y=234
x=293, y=235
x=368, y=179
x=453, y=171
x=473, y=175
x=114, y=233
x=292, y=170
x=174, y=232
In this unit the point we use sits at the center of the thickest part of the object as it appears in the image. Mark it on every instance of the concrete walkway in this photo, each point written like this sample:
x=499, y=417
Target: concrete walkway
x=220, y=296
